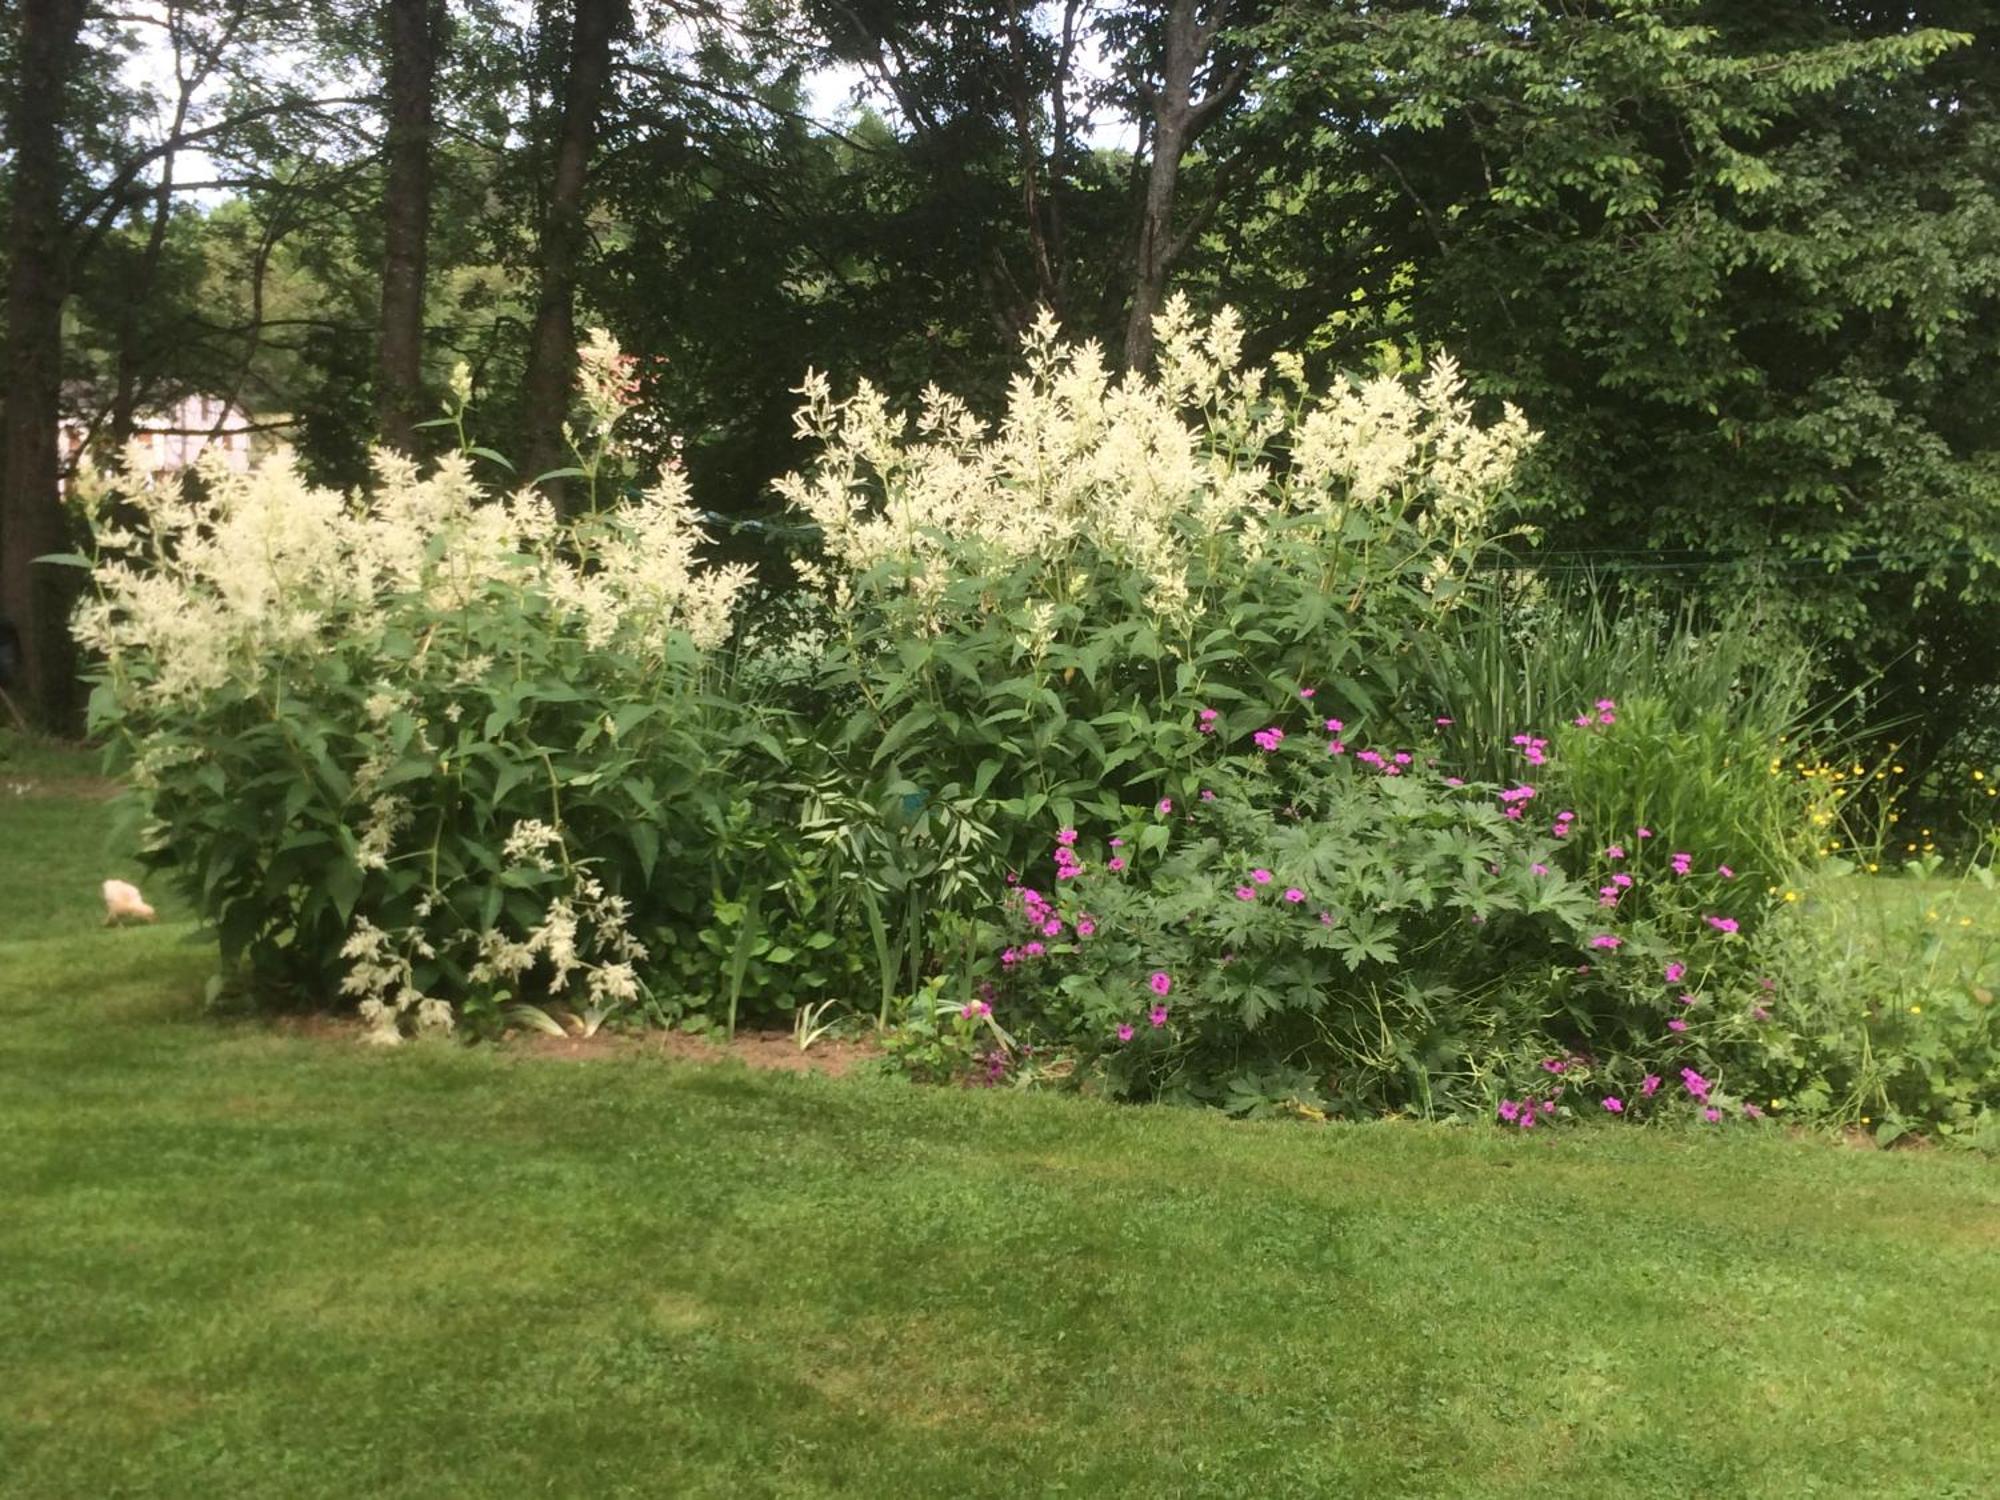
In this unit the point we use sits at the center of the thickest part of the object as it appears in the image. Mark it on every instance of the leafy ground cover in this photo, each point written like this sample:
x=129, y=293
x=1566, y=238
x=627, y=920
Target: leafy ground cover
x=245, y=1260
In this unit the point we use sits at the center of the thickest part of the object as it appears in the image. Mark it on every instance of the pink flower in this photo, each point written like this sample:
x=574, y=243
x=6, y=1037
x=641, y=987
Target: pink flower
x=1645, y=833
x=1008, y=958
x=1675, y=971
x=1269, y=739
x=1117, y=843
x=1509, y=1111
x=1124, y=1031
x=1758, y=1013
x=1615, y=1105
x=1622, y=881
x=1334, y=726
x=1157, y=1015
x=1695, y=1083
x=1442, y=722
x=1582, y=721
x=973, y=1008
x=1085, y=927
x=1053, y=927
x=1538, y=869
x=1207, y=718
x=1034, y=949
x=1606, y=941
x=1527, y=1119
x=1752, y=1112
x=1262, y=877
x=1722, y=924
x=1605, y=705
x=1677, y=1024
x=1207, y=795
x=1725, y=872
x=1616, y=851
x=1166, y=806
x=1553, y=1065
x=1402, y=757
x=1066, y=837
x=1115, y=863
x=1326, y=919
x=1683, y=863
x=1649, y=1085
x=1244, y=893
x=1548, y=1107
x=1688, y=999
x=1711, y=1115
x=1307, y=693
x=1161, y=982
x=1294, y=895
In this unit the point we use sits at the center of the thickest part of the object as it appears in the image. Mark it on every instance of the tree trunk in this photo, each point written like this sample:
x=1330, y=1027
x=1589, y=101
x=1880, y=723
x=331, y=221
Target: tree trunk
x=413, y=30
x=1178, y=117
x=37, y=599
x=552, y=344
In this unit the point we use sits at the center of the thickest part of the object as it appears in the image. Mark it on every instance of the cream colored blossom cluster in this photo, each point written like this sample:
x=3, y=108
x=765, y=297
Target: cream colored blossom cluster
x=1151, y=469
x=585, y=932
x=232, y=577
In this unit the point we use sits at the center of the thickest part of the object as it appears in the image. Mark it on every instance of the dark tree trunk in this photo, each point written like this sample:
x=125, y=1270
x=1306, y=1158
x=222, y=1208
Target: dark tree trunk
x=37, y=599
x=413, y=31
x=552, y=344
x=1178, y=118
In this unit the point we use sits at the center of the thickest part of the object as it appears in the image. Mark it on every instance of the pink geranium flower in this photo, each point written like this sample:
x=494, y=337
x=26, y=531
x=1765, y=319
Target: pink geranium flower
x=1615, y=1105
x=1261, y=877
x=1124, y=1031
x=1244, y=893
x=1722, y=924
x=1675, y=971
x=1157, y=1015
x=1161, y=983
x=1294, y=895
x=1649, y=1085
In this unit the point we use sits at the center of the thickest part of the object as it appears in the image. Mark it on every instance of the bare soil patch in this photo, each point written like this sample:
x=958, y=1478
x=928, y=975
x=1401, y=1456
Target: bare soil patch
x=766, y=1051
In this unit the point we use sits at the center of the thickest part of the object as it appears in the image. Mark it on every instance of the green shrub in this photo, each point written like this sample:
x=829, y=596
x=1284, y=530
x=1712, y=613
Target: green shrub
x=1031, y=616
x=432, y=750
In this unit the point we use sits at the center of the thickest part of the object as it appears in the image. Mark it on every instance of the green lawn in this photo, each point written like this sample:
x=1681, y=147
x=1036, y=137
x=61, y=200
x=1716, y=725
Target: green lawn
x=239, y=1261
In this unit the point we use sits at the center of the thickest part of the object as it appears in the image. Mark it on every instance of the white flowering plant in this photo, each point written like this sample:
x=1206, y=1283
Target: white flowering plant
x=433, y=748
x=1031, y=612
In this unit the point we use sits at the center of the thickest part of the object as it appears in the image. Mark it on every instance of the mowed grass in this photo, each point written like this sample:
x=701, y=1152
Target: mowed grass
x=236, y=1260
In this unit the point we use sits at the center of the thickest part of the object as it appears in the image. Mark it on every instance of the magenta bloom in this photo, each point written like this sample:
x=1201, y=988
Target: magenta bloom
x=1758, y=1013
x=1207, y=795
x=1294, y=895
x=1261, y=877
x=1308, y=693
x=1115, y=863
x=1509, y=1111
x=1688, y=999
x=973, y=1008
x=1166, y=806
x=1124, y=1031
x=1207, y=716
x=1085, y=927
x=1034, y=949
x=1725, y=872
x=1649, y=1085
x=1538, y=869
x=1683, y=864
x=1066, y=837
x=1269, y=739
x=1244, y=893
x=1607, y=941
x=1711, y=1115
x=1645, y=833
x=1615, y=1105
x=1722, y=924
x=1553, y=1065
x=1326, y=919
x=1162, y=983
x=1677, y=1024
x=1157, y=1015
x=1616, y=851
x=1117, y=843
x=1008, y=958
x=1334, y=726
x=1695, y=1083
x=1052, y=927
x=1605, y=705
x=1442, y=722
x=1675, y=971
